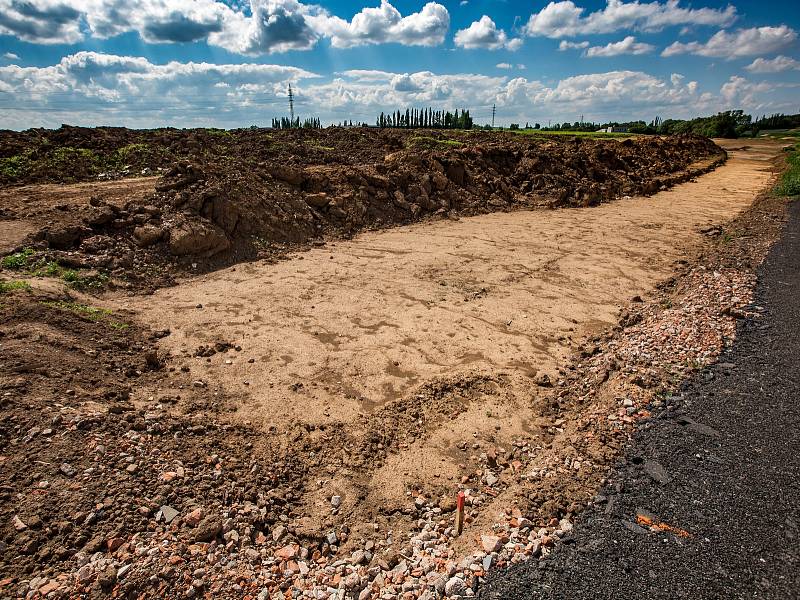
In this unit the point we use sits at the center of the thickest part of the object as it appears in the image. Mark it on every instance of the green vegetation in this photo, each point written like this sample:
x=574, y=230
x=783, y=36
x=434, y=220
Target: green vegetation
x=781, y=134
x=48, y=269
x=14, y=167
x=83, y=281
x=27, y=262
x=130, y=154
x=586, y=134
x=216, y=131
x=68, y=159
x=426, y=118
x=18, y=260
x=7, y=287
x=728, y=124
x=789, y=184
x=286, y=123
x=67, y=163
x=91, y=313
x=432, y=142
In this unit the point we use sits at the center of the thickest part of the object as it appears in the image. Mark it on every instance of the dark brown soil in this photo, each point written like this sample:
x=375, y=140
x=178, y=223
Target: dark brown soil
x=229, y=196
x=68, y=438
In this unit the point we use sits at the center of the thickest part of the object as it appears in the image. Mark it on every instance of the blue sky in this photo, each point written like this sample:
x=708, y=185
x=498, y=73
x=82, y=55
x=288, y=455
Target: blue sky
x=227, y=63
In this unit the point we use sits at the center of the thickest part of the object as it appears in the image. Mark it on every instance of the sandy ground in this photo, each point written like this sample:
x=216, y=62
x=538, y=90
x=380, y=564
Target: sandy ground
x=726, y=456
x=342, y=331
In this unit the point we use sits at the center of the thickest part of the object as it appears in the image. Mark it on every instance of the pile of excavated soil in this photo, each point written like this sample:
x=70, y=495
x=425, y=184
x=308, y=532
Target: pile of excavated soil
x=227, y=196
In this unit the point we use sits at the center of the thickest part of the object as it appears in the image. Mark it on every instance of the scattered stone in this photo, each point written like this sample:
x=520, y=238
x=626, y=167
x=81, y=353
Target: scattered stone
x=288, y=552
x=656, y=472
x=278, y=533
x=193, y=518
x=491, y=543
x=454, y=586
x=207, y=530
x=168, y=513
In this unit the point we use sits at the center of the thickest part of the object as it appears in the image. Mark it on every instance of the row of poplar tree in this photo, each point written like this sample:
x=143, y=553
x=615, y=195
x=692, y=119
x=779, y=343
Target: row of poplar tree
x=426, y=118
x=287, y=123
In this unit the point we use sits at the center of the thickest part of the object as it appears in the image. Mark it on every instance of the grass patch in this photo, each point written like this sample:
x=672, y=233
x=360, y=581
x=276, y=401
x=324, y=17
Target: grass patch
x=18, y=260
x=82, y=281
x=586, y=134
x=68, y=159
x=6, y=287
x=780, y=134
x=49, y=269
x=789, y=183
x=214, y=131
x=14, y=167
x=728, y=236
x=432, y=142
x=132, y=154
x=25, y=261
x=92, y=313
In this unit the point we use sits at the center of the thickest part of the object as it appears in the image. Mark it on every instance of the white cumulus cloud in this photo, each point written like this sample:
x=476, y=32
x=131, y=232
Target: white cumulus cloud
x=740, y=93
x=629, y=45
x=483, y=33
x=735, y=44
x=132, y=89
x=384, y=24
x=41, y=21
x=773, y=65
x=565, y=45
x=91, y=88
x=566, y=19
x=253, y=27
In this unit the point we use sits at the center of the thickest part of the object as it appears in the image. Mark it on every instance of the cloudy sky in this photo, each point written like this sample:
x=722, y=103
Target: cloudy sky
x=228, y=63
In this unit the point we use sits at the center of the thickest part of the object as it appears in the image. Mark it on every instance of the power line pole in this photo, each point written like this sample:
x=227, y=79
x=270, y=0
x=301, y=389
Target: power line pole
x=494, y=110
x=291, y=105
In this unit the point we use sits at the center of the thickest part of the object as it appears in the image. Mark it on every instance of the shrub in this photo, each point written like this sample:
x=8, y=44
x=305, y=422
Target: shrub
x=789, y=184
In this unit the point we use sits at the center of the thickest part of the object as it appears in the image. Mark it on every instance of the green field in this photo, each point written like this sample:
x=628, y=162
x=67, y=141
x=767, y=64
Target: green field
x=587, y=134
x=781, y=133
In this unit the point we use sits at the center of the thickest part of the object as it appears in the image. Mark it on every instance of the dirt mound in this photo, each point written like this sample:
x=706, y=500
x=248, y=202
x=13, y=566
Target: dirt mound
x=83, y=470
x=234, y=195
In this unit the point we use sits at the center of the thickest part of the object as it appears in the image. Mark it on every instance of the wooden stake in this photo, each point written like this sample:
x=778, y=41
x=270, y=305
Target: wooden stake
x=460, y=513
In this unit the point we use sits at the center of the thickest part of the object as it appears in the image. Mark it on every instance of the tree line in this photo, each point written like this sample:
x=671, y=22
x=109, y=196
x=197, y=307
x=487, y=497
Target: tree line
x=727, y=124
x=287, y=123
x=425, y=118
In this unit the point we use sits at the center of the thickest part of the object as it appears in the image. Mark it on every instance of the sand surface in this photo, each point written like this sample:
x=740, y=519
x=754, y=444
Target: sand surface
x=343, y=331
